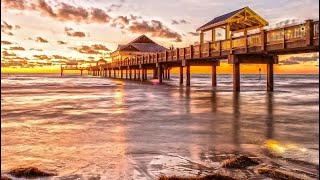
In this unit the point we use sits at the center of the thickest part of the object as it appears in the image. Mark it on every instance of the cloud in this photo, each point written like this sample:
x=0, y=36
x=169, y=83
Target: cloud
x=60, y=11
x=61, y=42
x=85, y=50
x=193, y=33
x=69, y=12
x=33, y=49
x=40, y=39
x=300, y=59
x=98, y=15
x=17, y=48
x=9, y=33
x=14, y=4
x=93, y=49
x=42, y=57
x=284, y=23
x=65, y=12
x=6, y=43
x=155, y=28
x=59, y=57
x=177, y=22
x=6, y=53
x=5, y=26
x=99, y=47
x=45, y=8
x=72, y=33
x=121, y=21
x=114, y=7
x=16, y=62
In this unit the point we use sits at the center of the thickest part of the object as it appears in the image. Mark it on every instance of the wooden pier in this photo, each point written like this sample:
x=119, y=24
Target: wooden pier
x=72, y=67
x=262, y=47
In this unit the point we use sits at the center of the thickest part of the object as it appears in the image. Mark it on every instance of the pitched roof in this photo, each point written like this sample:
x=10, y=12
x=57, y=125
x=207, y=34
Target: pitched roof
x=143, y=44
x=221, y=18
x=148, y=47
x=142, y=39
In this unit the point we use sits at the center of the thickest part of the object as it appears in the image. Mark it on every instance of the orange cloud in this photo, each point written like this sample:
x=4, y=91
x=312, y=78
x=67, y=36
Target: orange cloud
x=33, y=49
x=93, y=49
x=6, y=53
x=42, y=57
x=14, y=4
x=85, y=50
x=72, y=33
x=98, y=15
x=99, y=47
x=300, y=59
x=59, y=57
x=61, y=42
x=155, y=28
x=17, y=48
x=6, y=42
x=40, y=39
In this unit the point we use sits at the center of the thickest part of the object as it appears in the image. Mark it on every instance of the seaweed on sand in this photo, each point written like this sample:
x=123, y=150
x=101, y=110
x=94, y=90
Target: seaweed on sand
x=29, y=172
x=5, y=178
x=239, y=162
x=208, y=177
x=277, y=174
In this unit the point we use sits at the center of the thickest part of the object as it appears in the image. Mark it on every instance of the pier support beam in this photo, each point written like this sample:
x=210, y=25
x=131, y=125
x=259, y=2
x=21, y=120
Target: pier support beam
x=145, y=74
x=121, y=73
x=134, y=74
x=269, y=77
x=236, y=77
x=155, y=73
x=165, y=73
x=188, y=75
x=181, y=75
x=126, y=73
x=214, y=75
x=160, y=74
x=130, y=74
x=168, y=73
x=114, y=73
x=142, y=75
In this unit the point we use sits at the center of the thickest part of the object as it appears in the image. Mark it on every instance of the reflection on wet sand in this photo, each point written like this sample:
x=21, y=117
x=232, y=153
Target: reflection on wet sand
x=236, y=119
x=269, y=115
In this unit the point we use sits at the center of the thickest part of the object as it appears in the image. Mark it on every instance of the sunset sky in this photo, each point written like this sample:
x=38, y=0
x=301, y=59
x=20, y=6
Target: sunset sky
x=39, y=35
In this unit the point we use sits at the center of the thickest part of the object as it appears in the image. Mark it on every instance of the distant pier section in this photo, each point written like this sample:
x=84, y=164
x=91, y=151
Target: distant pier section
x=72, y=66
x=239, y=36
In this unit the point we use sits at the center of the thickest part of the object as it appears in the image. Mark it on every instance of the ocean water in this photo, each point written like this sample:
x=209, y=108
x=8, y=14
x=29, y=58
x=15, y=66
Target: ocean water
x=103, y=128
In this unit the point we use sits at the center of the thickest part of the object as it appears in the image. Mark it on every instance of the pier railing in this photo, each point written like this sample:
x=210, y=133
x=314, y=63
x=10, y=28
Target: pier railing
x=304, y=32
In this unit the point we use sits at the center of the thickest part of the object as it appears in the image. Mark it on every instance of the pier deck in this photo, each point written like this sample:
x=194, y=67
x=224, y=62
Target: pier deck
x=260, y=48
